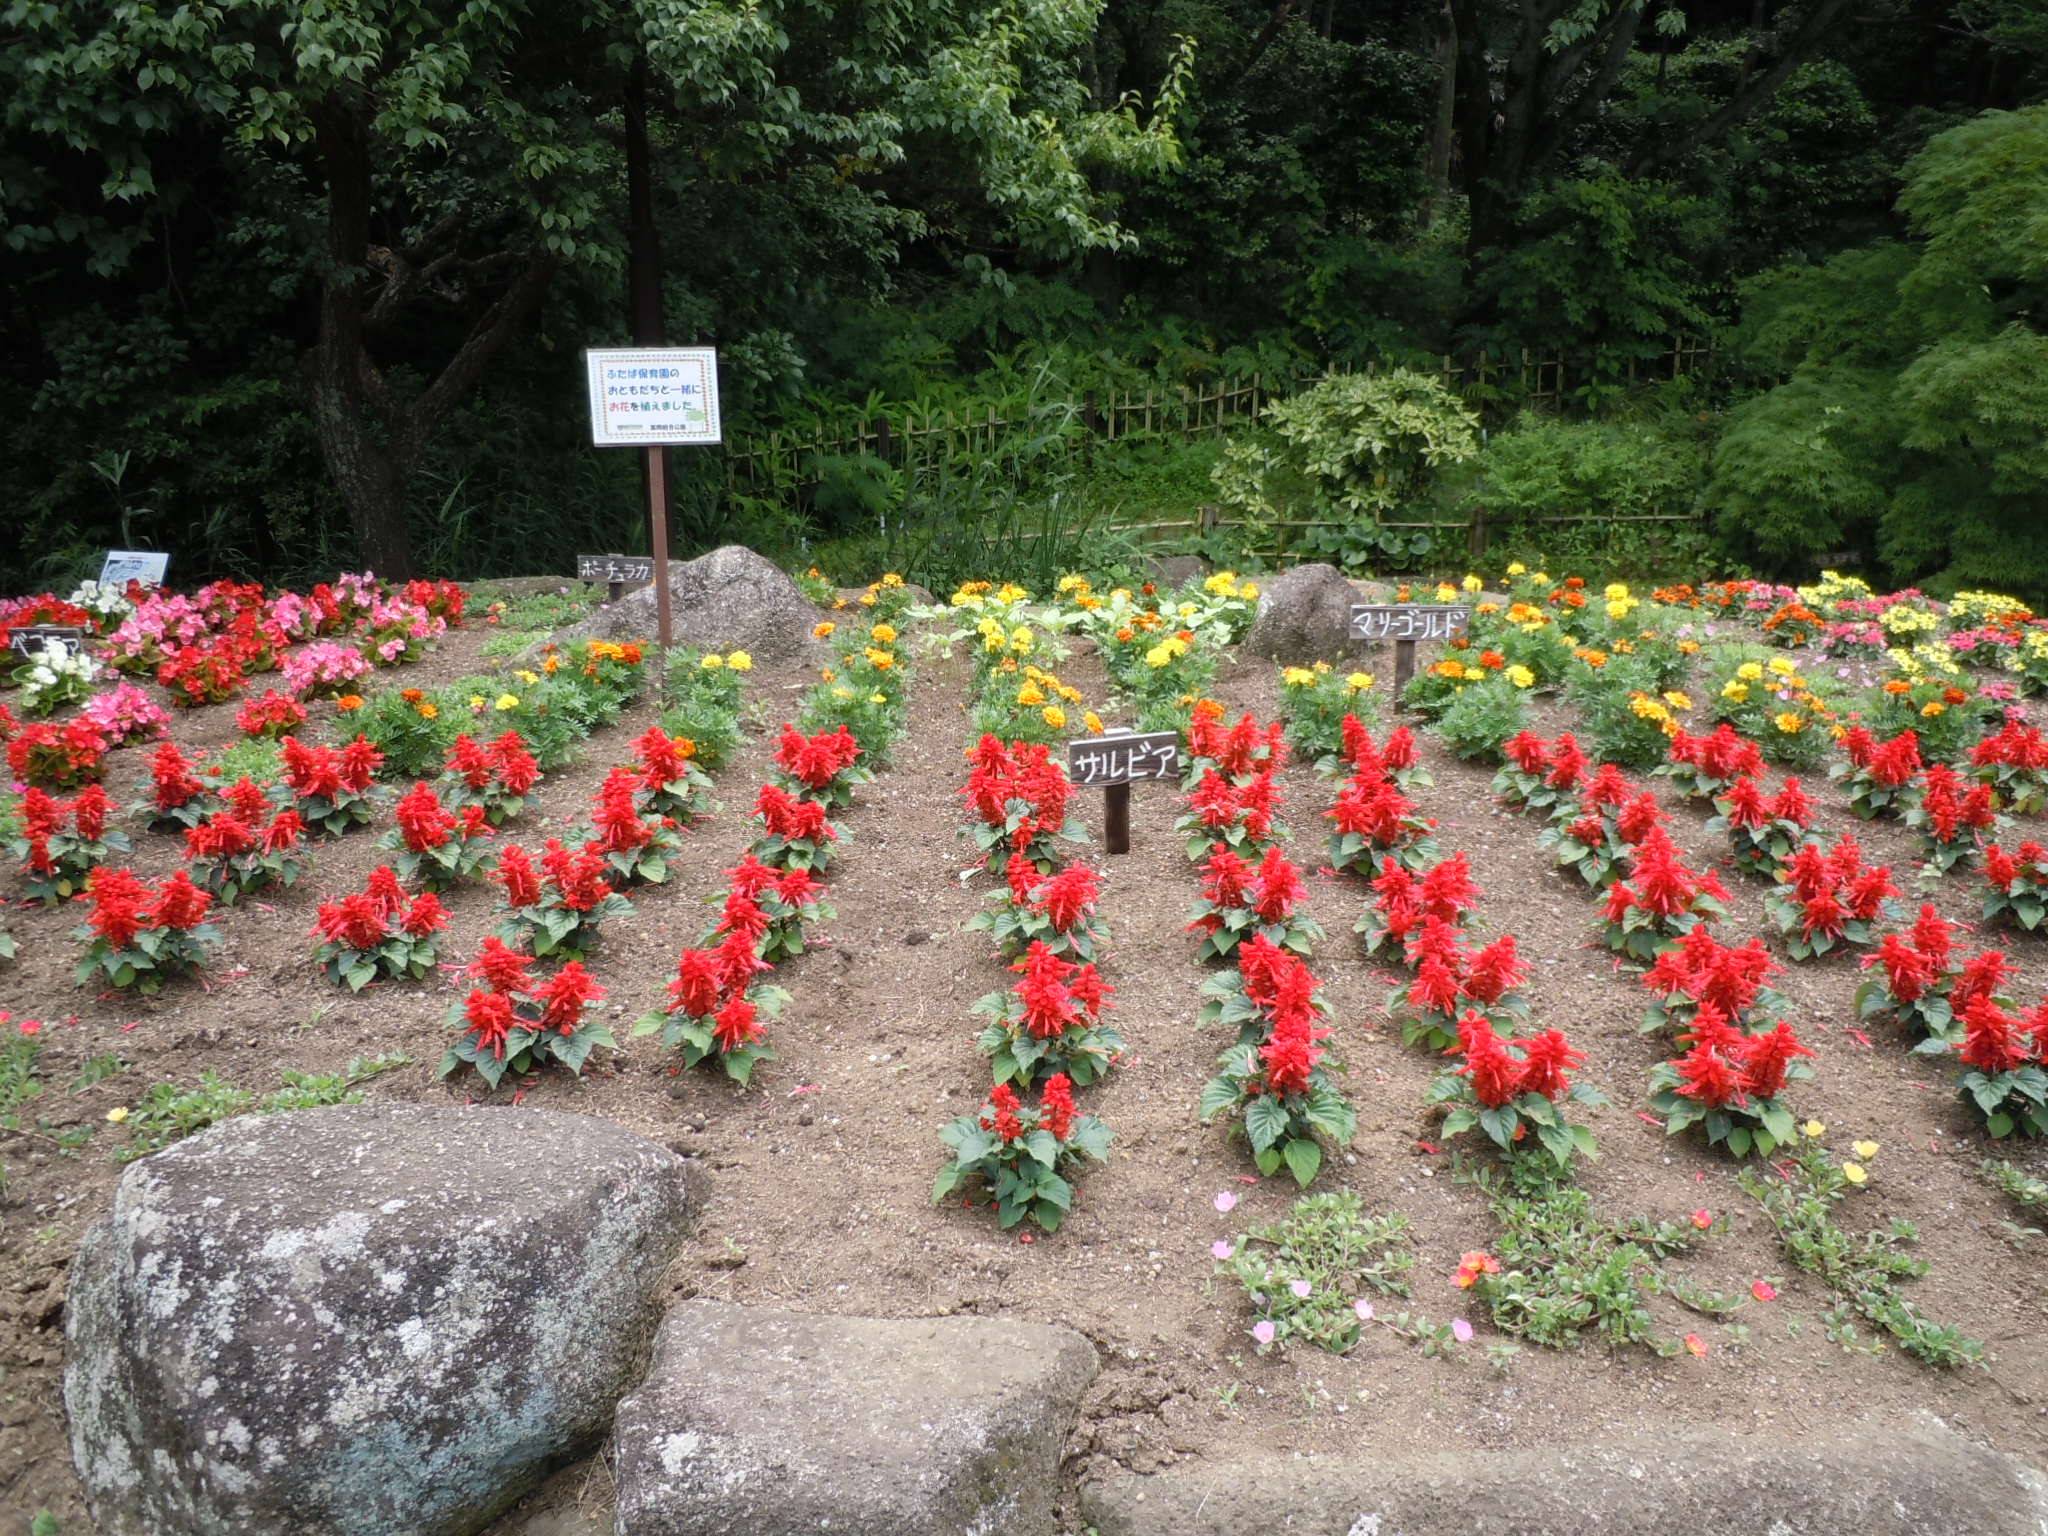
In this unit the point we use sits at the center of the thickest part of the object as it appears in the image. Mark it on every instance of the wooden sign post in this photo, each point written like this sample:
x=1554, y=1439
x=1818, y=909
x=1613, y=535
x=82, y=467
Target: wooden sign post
x=615, y=571
x=648, y=398
x=1404, y=624
x=1112, y=763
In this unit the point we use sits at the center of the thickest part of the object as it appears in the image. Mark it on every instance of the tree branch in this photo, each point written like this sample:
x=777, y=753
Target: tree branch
x=1759, y=89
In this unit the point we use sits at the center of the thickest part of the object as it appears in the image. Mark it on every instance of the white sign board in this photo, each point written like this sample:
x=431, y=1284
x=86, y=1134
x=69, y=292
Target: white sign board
x=642, y=396
x=125, y=565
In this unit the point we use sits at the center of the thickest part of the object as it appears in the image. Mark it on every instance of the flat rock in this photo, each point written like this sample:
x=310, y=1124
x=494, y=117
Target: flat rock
x=774, y=1423
x=1304, y=616
x=729, y=599
x=1912, y=1478
x=371, y=1320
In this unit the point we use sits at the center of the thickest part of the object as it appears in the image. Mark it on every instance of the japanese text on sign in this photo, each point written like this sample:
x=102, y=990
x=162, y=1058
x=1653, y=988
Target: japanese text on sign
x=610, y=568
x=649, y=395
x=46, y=639
x=1122, y=759
x=122, y=566
x=1409, y=621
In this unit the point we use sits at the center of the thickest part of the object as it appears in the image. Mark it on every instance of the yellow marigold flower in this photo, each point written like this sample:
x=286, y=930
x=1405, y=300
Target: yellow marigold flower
x=1093, y=721
x=1783, y=667
x=1070, y=693
x=740, y=661
x=867, y=598
x=526, y=677
x=1010, y=592
x=1932, y=708
x=1030, y=696
x=1298, y=677
x=1054, y=716
x=1854, y=1173
x=1358, y=682
x=1247, y=590
x=1615, y=591
x=1688, y=647
x=891, y=579
x=1475, y=674
x=1789, y=723
x=1454, y=669
x=1186, y=610
x=1750, y=672
x=1472, y=583
x=1516, y=568
x=881, y=661
x=1677, y=700
x=878, y=698
x=1619, y=610
x=1521, y=676
x=1736, y=690
x=476, y=701
x=1865, y=1150
x=1159, y=655
x=1322, y=668
x=506, y=701
x=1446, y=593
x=822, y=629
x=348, y=703
x=842, y=694
x=428, y=709
x=1220, y=584
x=710, y=661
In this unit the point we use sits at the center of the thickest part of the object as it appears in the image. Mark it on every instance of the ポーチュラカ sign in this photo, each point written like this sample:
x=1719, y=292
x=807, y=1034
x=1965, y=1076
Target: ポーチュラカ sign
x=1099, y=761
x=122, y=566
x=646, y=396
x=614, y=569
x=1409, y=621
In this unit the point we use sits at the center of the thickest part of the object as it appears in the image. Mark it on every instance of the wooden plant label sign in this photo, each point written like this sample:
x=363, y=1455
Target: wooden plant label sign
x=122, y=566
x=1409, y=621
x=614, y=569
x=50, y=639
x=1096, y=762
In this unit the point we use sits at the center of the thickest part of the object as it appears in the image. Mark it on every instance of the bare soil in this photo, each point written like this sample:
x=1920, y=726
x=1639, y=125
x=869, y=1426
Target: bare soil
x=816, y=1183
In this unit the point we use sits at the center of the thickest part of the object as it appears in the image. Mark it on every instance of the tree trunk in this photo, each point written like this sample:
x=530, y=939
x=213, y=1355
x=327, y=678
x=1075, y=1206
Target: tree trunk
x=1443, y=130
x=343, y=384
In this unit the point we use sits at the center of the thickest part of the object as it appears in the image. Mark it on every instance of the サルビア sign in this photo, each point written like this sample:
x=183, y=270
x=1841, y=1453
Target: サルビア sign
x=1097, y=761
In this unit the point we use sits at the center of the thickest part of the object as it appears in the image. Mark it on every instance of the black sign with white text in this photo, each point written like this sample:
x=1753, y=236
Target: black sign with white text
x=611, y=568
x=41, y=639
x=1409, y=621
x=1122, y=759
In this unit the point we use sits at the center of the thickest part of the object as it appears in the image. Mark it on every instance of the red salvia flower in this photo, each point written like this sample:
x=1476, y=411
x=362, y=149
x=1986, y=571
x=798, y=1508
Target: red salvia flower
x=699, y=983
x=999, y=1114
x=1056, y=1108
x=517, y=770
x=180, y=905
x=117, y=897
x=567, y=993
x=423, y=821
x=425, y=916
x=520, y=879
x=489, y=1017
x=1070, y=896
x=499, y=967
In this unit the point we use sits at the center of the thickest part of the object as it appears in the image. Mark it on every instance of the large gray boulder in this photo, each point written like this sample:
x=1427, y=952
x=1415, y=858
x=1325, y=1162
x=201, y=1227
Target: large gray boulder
x=775, y=1423
x=374, y=1320
x=728, y=599
x=1899, y=1478
x=1304, y=616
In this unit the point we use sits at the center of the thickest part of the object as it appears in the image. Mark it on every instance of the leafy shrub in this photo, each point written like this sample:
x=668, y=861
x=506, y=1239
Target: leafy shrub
x=1545, y=466
x=1352, y=449
x=1482, y=717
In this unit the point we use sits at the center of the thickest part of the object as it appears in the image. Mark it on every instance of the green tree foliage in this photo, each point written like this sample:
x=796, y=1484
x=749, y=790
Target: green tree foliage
x=1911, y=423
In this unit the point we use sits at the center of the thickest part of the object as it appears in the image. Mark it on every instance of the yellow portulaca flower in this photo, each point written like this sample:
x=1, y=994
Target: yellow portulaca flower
x=1865, y=1150
x=1813, y=1130
x=1854, y=1173
x=118, y=1115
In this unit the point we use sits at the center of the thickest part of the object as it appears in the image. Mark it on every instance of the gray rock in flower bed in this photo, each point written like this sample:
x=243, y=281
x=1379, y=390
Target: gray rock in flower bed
x=729, y=599
x=373, y=1320
x=1905, y=1477
x=773, y=1423
x=1171, y=572
x=1304, y=616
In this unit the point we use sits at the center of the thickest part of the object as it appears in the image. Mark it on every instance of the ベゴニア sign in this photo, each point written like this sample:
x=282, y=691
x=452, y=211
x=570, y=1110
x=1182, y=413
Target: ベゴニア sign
x=46, y=639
